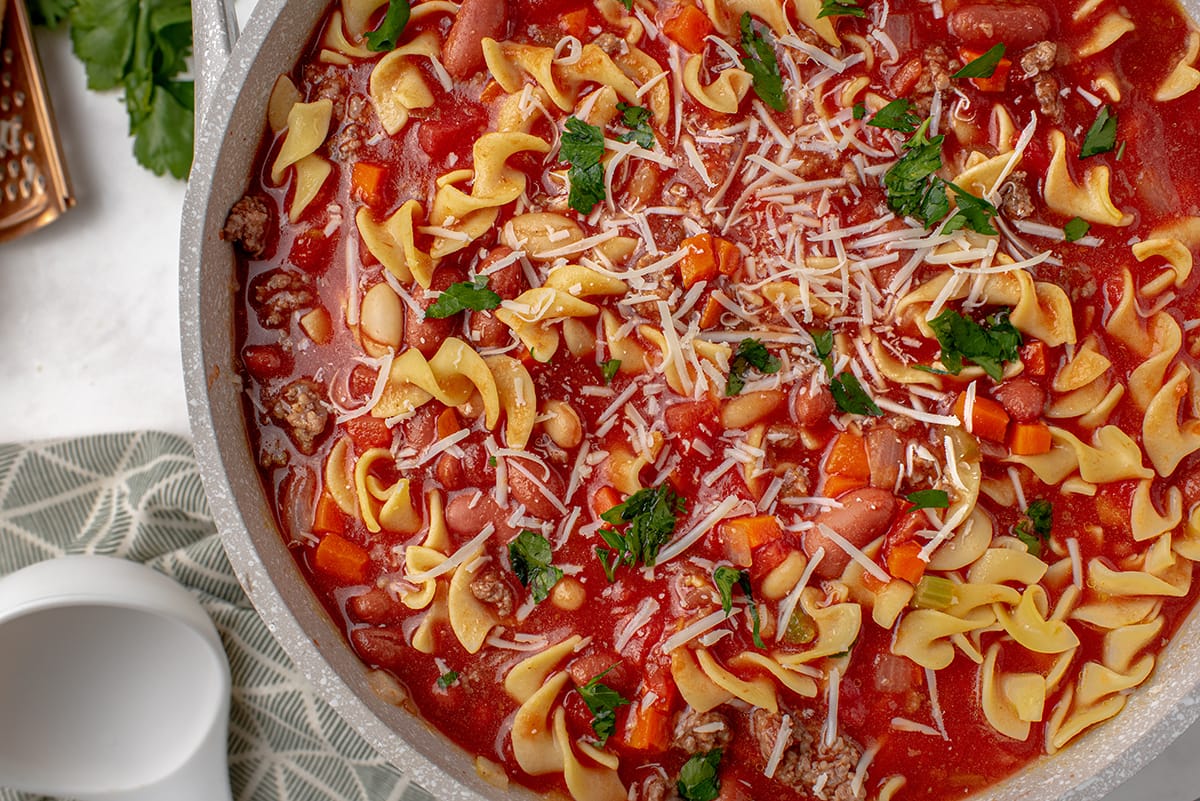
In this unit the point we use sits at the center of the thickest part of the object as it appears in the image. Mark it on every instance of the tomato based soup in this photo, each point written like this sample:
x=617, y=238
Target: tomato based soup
x=736, y=399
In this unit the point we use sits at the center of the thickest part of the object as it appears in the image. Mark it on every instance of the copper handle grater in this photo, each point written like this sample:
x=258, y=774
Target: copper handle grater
x=34, y=186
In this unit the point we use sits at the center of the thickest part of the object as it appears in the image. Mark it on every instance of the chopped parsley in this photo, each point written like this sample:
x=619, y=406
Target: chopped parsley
x=896, y=116
x=989, y=345
x=609, y=369
x=464, y=295
x=447, y=679
x=1033, y=529
x=850, y=396
x=602, y=701
x=973, y=212
x=928, y=499
x=913, y=188
x=531, y=557
x=984, y=66
x=750, y=353
x=637, y=120
x=383, y=39
x=760, y=62
x=860, y=111
x=648, y=517
x=583, y=148
x=725, y=578
x=1102, y=136
x=698, y=777
x=1076, y=229
x=840, y=8
x=823, y=347
x=628, y=5
x=492, y=462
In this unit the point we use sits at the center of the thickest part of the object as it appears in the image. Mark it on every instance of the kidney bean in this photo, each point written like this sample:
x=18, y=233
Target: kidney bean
x=982, y=25
x=450, y=472
x=863, y=516
x=885, y=453
x=462, y=54
x=382, y=647
x=1021, y=398
x=377, y=607
x=486, y=331
x=419, y=430
x=426, y=334
x=811, y=409
x=266, y=361
x=592, y=663
x=509, y=281
x=525, y=490
x=465, y=517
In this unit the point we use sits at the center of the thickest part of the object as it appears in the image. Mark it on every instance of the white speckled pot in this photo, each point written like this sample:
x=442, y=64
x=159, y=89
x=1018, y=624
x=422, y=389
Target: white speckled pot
x=226, y=143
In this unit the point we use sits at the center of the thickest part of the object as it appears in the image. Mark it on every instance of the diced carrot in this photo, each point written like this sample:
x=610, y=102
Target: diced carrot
x=492, y=91
x=448, y=423
x=605, y=499
x=574, y=23
x=729, y=258
x=342, y=559
x=904, y=562
x=998, y=82
x=836, y=485
x=1033, y=356
x=688, y=27
x=368, y=432
x=988, y=418
x=711, y=317
x=328, y=518
x=700, y=263
x=1030, y=439
x=737, y=545
x=366, y=182
x=760, y=529
x=870, y=582
x=848, y=457
x=649, y=727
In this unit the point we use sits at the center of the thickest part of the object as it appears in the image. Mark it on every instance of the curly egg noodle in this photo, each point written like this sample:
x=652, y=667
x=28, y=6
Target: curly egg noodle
x=736, y=399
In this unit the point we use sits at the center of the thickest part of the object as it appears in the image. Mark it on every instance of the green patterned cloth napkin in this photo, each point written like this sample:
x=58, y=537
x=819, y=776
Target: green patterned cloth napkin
x=138, y=496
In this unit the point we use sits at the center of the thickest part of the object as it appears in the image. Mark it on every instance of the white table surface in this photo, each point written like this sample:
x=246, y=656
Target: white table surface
x=89, y=319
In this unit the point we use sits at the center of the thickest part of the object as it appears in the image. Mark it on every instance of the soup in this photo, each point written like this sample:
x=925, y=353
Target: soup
x=736, y=400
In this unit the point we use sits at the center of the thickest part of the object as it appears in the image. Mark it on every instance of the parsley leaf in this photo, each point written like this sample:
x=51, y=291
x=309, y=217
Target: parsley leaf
x=973, y=212
x=989, y=345
x=823, y=347
x=637, y=120
x=531, y=563
x=928, y=499
x=984, y=66
x=913, y=189
x=602, y=701
x=447, y=679
x=750, y=353
x=725, y=577
x=840, y=8
x=463, y=295
x=383, y=39
x=1102, y=136
x=582, y=148
x=1034, y=527
x=649, y=517
x=628, y=5
x=50, y=13
x=609, y=369
x=850, y=397
x=698, y=777
x=859, y=111
x=896, y=116
x=760, y=62
x=1076, y=229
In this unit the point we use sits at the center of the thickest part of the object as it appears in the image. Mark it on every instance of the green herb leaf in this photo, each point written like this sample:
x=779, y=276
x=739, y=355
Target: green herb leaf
x=750, y=353
x=912, y=186
x=823, y=347
x=163, y=132
x=531, y=559
x=492, y=461
x=1121, y=150
x=1102, y=136
x=760, y=62
x=637, y=120
x=698, y=779
x=850, y=396
x=860, y=111
x=583, y=148
x=725, y=577
x=985, y=65
x=1035, y=526
x=461, y=296
x=928, y=499
x=602, y=701
x=973, y=212
x=383, y=39
x=609, y=369
x=840, y=8
x=50, y=13
x=447, y=679
x=628, y=5
x=648, y=517
x=896, y=116
x=1076, y=229
x=989, y=345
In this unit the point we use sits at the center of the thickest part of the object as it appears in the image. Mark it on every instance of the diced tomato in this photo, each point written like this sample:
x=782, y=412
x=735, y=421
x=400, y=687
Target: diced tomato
x=362, y=381
x=312, y=251
x=448, y=423
x=452, y=129
x=605, y=499
x=742, y=535
x=690, y=416
x=328, y=518
x=769, y=556
x=1033, y=356
x=575, y=23
x=998, y=81
x=266, y=361
x=369, y=432
x=905, y=528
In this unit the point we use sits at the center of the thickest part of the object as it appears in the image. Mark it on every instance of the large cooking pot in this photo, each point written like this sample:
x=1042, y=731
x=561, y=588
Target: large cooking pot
x=235, y=83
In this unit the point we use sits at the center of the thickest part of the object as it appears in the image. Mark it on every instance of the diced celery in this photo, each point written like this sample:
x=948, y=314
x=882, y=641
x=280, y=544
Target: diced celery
x=801, y=629
x=934, y=592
